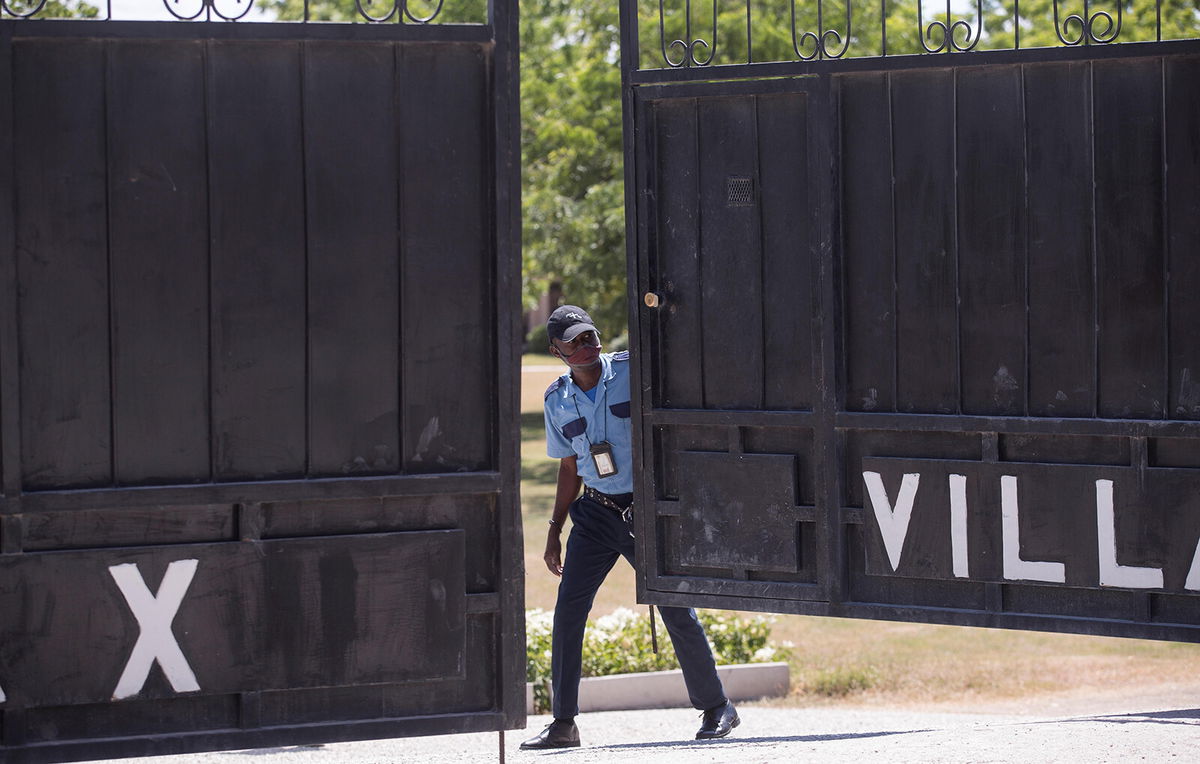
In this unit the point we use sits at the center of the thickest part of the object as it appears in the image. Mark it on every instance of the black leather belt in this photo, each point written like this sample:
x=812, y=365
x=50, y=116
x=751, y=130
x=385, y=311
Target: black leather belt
x=617, y=502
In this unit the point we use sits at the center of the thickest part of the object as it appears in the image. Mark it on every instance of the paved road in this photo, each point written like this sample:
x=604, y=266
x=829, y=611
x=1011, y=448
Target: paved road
x=1166, y=729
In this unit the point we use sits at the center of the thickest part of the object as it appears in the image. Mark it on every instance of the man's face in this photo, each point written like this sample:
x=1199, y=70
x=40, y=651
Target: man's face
x=565, y=350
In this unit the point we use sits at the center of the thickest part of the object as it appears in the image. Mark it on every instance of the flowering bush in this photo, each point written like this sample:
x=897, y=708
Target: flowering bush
x=619, y=643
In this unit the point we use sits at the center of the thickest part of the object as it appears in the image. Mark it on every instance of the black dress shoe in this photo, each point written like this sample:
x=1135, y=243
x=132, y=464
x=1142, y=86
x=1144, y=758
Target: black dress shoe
x=717, y=722
x=558, y=734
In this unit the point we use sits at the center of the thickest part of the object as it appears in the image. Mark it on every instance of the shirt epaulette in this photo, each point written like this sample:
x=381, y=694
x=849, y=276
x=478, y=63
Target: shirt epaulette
x=553, y=387
x=621, y=356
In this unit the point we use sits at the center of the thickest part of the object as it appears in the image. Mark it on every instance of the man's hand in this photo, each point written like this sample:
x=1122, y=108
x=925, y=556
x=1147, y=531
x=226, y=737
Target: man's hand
x=553, y=554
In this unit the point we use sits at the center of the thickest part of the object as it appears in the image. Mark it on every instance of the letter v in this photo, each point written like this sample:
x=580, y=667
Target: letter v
x=893, y=523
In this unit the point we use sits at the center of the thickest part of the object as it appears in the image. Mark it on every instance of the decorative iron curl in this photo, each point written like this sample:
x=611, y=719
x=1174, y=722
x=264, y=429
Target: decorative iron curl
x=437, y=9
x=398, y=8
x=362, y=11
x=949, y=39
x=687, y=45
x=243, y=5
x=14, y=9
x=210, y=8
x=1086, y=24
x=820, y=43
x=172, y=7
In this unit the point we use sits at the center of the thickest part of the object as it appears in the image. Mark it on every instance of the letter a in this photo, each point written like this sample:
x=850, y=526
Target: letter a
x=1193, y=577
x=154, y=614
x=1112, y=574
x=893, y=524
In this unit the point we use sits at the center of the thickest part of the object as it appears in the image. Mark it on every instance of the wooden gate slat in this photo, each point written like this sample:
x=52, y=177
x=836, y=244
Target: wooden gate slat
x=1062, y=334
x=991, y=240
x=158, y=239
x=1130, y=274
x=353, y=263
x=62, y=264
x=258, y=271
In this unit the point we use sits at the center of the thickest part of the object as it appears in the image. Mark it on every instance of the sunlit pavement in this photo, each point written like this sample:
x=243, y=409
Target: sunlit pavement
x=1151, y=733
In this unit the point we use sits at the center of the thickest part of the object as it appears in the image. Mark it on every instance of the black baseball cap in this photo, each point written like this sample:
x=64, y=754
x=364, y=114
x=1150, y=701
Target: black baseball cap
x=568, y=322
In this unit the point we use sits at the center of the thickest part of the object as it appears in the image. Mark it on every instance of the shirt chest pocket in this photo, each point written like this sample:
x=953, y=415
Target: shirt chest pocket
x=620, y=410
x=575, y=428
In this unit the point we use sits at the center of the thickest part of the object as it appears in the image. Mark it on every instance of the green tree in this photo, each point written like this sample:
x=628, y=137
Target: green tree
x=574, y=217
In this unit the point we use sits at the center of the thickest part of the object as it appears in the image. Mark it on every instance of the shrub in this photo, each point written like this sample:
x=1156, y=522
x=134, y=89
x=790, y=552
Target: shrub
x=617, y=344
x=619, y=643
x=842, y=681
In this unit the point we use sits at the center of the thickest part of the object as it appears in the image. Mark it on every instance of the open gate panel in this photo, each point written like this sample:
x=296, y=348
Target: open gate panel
x=922, y=347
x=258, y=392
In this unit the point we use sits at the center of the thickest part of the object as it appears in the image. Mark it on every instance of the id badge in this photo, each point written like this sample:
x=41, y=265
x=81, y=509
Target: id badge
x=602, y=459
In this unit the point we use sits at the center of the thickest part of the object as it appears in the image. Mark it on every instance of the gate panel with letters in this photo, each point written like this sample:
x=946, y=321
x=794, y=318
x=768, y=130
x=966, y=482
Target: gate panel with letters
x=258, y=384
x=916, y=330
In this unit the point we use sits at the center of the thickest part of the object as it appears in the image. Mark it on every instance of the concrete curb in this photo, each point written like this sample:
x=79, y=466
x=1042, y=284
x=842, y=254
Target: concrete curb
x=665, y=689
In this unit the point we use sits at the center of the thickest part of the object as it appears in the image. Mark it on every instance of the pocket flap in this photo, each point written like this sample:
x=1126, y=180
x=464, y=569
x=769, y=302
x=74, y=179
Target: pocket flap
x=575, y=428
x=620, y=409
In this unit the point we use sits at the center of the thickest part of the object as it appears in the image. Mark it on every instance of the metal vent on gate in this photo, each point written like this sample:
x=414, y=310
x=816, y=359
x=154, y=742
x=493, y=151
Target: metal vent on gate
x=739, y=191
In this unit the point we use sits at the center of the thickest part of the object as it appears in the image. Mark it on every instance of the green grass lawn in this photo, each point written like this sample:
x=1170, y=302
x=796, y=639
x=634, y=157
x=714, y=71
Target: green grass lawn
x=873, y=662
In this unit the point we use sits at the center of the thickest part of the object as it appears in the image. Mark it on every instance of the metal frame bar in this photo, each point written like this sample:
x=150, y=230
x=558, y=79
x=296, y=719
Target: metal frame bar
x=506, y=158
x=10, y=396
x=231, y=493
x=261, y=737
x=250, y=30
x=10, y=335
x=796, y=605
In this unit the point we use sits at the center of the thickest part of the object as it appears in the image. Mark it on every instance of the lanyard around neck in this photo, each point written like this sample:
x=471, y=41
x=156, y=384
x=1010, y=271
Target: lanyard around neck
x=603, y=416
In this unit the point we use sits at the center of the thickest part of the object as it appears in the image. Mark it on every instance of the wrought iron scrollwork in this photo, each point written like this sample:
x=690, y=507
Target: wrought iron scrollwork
x=363, y=5
x=21, y=9
x=949, y=31
x=422, y=19
x=404, y=11
x=229, y=10
x=687, y=45
x=397, y=7
x=829, y=43
x=1086, y=24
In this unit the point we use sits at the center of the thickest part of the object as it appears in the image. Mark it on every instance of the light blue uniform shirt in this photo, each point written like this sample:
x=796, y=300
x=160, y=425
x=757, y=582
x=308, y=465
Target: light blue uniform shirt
x=574, y=423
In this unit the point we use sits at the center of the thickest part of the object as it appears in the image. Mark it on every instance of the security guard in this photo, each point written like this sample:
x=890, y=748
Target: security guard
x=588, y=430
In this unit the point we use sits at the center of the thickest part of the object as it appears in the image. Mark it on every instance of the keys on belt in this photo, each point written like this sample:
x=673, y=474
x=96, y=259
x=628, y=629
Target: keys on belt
x=610, y=502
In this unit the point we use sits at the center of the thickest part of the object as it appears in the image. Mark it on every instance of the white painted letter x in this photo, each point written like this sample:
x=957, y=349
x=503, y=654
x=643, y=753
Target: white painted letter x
x=154, y=614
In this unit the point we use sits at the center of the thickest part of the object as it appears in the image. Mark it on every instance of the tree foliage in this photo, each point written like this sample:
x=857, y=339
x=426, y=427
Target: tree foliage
x=59, y=9
x=574, y=219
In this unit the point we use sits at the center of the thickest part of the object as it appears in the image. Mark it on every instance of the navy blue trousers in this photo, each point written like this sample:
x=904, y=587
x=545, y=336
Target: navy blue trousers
x=598, y=537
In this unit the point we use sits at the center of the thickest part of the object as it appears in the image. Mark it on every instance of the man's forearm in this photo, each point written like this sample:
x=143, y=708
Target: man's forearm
x=567, y=491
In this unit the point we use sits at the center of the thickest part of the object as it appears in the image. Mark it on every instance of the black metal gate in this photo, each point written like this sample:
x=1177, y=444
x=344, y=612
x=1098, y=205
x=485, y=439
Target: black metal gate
x=257, y=384
x=918, y=331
